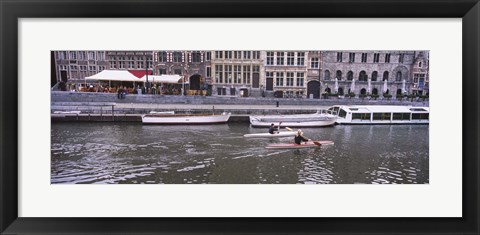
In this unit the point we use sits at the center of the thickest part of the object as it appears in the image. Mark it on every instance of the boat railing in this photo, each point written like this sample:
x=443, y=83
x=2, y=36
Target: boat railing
x=326, y=111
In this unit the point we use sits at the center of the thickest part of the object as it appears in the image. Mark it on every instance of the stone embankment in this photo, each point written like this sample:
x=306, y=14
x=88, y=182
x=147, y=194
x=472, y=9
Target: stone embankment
x=107, y=107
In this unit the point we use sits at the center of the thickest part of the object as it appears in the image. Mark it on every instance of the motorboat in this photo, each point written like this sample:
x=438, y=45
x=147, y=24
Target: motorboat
x=380, y=114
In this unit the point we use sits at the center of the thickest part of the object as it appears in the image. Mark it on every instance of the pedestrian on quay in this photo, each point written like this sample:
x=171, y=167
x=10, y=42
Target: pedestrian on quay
x=119, y=92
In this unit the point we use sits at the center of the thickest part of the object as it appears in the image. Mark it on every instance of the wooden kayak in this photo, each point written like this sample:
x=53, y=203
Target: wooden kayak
x=268, y=135
x=309, y=144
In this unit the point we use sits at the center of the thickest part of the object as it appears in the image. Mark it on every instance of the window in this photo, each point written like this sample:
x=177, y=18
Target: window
x=81, y=55
x=219, y=54
x=420, y=116
x=338, y=75
x=162, y=71
x=209, y=71
x=73, y=55
x=314, y=63
x=237, y=74
x=419, y=64
x=326, y=75
x=219, y=73
x=140, y=64
x=350, y=76
x=177, y=57
x=73, y=67
x=376, y=57
x=364, y=57
x=280, y=58
x=256, y=55
x=300, y=79
x=113, y=64
x=279, y=81
x=83, y=68
x=401, y=58
x=270, y=57
x=228, y=54
x=374, y=76
x=177, y=71
x=91, y=55
x=362, y=76
x=339, y=56
x=208, y=56
x=385, y=75
x=361, y=116
x=398, y=77
x=290, y=78
x=301, y=58
x=196, y=57
x=290, y=58
x=162, y=57
x=382, y=116
x=401, y=116
x=246, y=74
x=121, y=65
x=62, y=55
x=237, y=54
x=228, y=74
x=246, y=55
x=387, y=58
x=351, y=57
x=131, y=65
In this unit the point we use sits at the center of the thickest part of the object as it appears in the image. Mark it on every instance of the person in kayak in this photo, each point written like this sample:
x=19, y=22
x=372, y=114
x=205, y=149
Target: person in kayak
x=299, y=137
x=273, y=129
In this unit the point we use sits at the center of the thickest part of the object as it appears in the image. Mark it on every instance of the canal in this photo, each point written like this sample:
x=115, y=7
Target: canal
x=116, y=153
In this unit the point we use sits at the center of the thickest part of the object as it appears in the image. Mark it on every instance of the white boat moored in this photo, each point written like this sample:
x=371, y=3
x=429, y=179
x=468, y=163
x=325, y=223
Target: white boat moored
x=188, y=119
x=319, y=119
x=380, y=114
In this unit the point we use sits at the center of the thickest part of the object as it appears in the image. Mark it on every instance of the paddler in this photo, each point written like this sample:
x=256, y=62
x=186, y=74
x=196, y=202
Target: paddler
x=274, y=130
x=299, y=137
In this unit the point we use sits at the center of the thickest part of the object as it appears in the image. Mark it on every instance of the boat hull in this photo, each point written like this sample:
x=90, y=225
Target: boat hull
x=268, y=135
x=309, y=144
x=185, y=119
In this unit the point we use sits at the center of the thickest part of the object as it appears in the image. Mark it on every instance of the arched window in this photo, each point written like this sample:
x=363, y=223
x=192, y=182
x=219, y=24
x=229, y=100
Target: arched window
x=327, y=75
x=339, y=75
x=362, y=76
x=363, y=91
x=385, y=75
x=420, y=64
x=340, y=91
x=399, y=91
x=374, y=76
x=350, y=76
x=375, y=91
x=399, y=76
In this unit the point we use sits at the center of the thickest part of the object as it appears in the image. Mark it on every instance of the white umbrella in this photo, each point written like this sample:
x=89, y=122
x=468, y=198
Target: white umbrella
x=385, y=87
x=369, y=86
x=352, y=86
x=403, y=86
x=336, y=85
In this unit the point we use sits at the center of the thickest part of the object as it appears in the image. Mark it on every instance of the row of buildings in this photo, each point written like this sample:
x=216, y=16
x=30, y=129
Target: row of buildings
x=245, y=73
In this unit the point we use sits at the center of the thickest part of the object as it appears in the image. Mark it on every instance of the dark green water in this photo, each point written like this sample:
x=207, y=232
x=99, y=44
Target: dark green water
x=219, y=154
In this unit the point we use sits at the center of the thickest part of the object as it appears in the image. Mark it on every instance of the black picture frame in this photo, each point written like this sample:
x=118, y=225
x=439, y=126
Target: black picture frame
x=11, y=11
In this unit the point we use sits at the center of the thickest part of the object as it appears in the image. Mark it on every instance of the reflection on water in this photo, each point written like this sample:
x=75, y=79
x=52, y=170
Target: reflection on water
x=219, y=154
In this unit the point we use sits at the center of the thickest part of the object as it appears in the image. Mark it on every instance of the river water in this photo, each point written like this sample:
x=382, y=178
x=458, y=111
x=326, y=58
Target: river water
x=116, y=153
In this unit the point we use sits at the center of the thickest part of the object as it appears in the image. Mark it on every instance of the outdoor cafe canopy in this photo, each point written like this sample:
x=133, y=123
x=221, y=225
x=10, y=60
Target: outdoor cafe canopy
x=115, y=75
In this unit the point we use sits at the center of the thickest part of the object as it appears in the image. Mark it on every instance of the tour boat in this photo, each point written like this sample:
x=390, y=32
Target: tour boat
x=185, y=118
x=380, y=114
x=318, y=119
x=268, y=135
x=309, y=144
